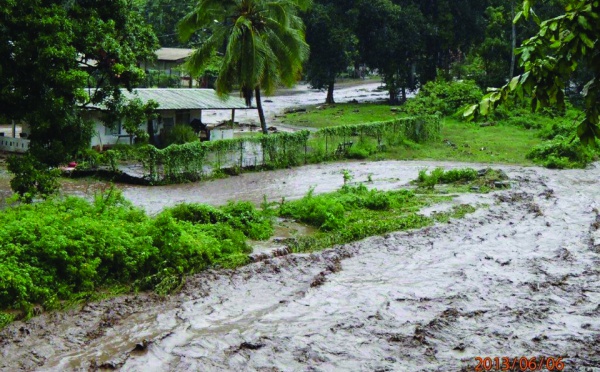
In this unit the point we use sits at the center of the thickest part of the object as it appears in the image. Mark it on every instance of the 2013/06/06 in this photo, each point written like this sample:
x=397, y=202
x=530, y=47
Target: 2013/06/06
x=523, y=363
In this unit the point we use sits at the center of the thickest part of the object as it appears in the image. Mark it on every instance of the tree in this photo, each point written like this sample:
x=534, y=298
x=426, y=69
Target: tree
x=262, y=41
x=163, y=16
x=549, y=60
x=52, y=50
x=389, y=40
x=332, y=45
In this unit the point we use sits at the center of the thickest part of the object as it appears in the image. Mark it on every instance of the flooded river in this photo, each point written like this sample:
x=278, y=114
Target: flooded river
x=520, y=278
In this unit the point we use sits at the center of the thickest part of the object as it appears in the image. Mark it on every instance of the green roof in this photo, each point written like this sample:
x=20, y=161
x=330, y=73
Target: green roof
x=186, y=99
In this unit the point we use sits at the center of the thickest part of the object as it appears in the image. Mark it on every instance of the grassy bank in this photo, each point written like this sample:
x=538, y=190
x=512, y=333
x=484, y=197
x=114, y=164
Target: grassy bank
x=322, y=116
x=61, y=252
x=504, y=142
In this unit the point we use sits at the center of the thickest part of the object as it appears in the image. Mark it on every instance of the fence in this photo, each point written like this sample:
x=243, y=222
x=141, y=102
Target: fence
x=196, y=160
x=10, y=144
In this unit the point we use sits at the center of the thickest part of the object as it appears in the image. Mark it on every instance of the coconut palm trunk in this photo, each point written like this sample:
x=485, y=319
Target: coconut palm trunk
x=261, y=113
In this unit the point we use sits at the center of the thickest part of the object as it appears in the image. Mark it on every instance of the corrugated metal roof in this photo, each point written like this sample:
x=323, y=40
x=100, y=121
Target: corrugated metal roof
x=173, y=54
x=186, y=99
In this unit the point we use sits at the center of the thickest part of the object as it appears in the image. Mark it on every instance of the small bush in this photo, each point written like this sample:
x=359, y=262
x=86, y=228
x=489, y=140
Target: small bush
x=356, y=152
x=245, y=217
x=32, y=178
x=241, y=216
x=197, y=213
x=320, y=211
x=439, y=176
x=562, y=153
x=444, y=97
x=178, y=135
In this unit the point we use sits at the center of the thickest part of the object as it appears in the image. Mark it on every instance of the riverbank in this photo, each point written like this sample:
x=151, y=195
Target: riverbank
x=518, y=278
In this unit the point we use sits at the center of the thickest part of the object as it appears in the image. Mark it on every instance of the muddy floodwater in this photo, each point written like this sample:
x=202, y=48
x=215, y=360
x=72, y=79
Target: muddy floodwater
x=518, y=278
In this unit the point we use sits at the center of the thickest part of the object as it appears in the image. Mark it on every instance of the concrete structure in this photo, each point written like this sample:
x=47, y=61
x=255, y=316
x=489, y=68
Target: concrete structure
x=10, y=144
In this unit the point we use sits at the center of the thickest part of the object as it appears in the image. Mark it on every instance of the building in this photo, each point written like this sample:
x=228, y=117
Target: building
x=168, y=66
x=175, y=106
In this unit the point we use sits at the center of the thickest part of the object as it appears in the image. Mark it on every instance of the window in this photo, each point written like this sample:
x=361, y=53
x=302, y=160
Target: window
x=168, y=123
x=182, y=118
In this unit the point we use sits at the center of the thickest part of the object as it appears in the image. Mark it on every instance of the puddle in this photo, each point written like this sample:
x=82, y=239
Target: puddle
x=283, y=229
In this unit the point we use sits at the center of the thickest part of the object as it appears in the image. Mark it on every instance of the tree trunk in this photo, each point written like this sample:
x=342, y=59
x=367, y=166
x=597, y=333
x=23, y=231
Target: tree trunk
x=151, y=132
x=403, y=94
x=393, y=96
x=329, y=100
x=513, y=42
x=261, y=113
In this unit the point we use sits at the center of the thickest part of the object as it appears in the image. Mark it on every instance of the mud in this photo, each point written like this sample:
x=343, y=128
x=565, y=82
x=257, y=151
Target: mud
x=520, y=278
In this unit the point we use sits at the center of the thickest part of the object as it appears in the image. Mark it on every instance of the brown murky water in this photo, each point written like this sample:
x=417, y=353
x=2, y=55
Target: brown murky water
x=520, y=278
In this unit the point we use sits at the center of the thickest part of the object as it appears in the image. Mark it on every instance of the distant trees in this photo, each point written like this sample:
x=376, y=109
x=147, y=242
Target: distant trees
x=262, y=43
x=390, y=41
x=333, y=44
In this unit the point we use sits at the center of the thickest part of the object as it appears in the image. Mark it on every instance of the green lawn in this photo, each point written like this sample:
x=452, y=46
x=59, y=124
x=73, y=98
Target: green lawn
x=338, y=114
x=460, y=141
x=469, y=142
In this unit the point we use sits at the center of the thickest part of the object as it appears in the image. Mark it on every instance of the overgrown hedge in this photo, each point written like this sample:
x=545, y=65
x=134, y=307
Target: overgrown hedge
x=58, y=249
x=196, y=160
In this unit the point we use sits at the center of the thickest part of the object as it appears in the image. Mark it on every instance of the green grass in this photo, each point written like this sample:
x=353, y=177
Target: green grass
x=469, y=142
x=340, y=114
x=460, y=141
x=354, y=212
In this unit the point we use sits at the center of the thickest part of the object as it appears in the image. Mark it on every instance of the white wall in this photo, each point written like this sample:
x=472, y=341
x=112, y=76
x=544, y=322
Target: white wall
x=14, y=144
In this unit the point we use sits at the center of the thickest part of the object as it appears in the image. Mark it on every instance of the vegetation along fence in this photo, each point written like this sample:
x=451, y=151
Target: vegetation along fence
x=196, y=160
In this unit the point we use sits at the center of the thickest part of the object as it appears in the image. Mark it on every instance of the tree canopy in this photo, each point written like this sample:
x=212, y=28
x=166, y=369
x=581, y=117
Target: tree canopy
x=63, y=56
x=333, y=44
x=262, y=42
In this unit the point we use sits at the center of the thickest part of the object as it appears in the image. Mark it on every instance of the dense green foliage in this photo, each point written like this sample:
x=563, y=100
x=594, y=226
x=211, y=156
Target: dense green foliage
x=333, y=46
x=355, y=212
x=53, y=250
x=562, y=46
x=53, y=50
x=443, y=97
x=463, y=179
x=31, y=179
x=177, y=135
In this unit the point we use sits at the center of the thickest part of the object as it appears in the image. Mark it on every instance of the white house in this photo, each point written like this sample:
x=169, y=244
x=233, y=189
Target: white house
x=175, y=106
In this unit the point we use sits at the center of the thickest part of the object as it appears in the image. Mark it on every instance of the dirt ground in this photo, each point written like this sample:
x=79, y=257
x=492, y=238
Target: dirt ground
x=519, y=278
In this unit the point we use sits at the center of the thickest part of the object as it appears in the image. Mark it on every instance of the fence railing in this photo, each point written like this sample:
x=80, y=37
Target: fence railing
x=11, y=144
x=197, y=160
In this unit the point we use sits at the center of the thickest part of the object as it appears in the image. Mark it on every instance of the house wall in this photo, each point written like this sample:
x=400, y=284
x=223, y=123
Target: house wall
x=10, y=144
x=101, y=137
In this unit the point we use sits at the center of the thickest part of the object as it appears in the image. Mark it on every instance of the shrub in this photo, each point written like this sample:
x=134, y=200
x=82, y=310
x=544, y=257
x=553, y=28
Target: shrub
x=177, y=135
x=321, y=211
x=32, y=178
x=444, y=97
x=57, y=249
x=241, y=216
x=197, y=213
x=245, y=217
x=561, y=153
x=438, y=175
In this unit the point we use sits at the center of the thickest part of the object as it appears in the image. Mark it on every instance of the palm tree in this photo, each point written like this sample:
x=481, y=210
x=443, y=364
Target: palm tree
x=262, y=43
